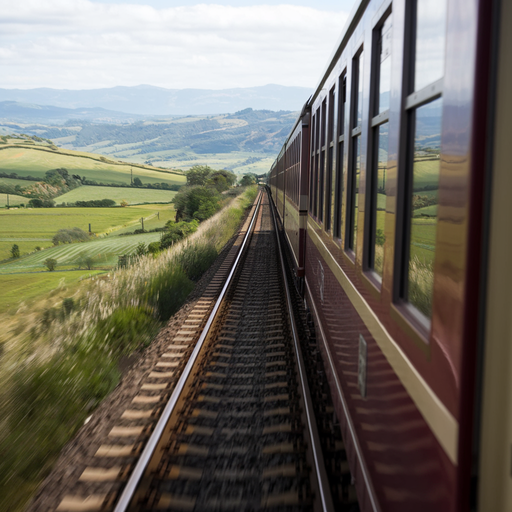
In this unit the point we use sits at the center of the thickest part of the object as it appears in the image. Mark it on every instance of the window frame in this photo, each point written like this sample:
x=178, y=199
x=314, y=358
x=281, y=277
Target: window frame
x=355, y=131
x=411, y=101
x=339, y=188
x=375, y=122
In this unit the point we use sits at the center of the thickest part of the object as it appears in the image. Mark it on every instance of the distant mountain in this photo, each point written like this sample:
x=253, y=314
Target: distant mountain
x=45, y=114
x=247, y=140
x=147, y=100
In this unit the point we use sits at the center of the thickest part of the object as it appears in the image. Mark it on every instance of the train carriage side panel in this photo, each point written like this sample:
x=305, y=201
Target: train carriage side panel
x=296, y=175
x=395, y=362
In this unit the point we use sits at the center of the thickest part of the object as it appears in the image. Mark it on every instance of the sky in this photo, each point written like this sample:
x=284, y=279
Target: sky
x=176, y=44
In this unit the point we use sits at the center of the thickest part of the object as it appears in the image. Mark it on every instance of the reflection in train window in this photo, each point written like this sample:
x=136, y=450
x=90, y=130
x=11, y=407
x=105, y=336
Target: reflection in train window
x=352, y=236
x=379, y=206
x=424, y=200
x=337, y=185
x=358, y=86
x=381, y=87
x=385, y=66
x=329, y=171
x=430, y=42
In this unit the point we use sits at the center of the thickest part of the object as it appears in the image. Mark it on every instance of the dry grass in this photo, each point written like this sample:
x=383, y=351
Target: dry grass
x=421, y=284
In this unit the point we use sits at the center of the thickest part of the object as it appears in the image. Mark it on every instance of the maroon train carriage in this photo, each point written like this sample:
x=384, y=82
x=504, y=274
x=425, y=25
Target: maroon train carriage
x=394, y=192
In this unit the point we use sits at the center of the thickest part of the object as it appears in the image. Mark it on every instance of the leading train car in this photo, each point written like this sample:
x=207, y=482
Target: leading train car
x=407, y=268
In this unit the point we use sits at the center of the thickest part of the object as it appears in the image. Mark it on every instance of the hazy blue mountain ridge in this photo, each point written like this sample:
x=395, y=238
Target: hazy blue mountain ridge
x=148, y=100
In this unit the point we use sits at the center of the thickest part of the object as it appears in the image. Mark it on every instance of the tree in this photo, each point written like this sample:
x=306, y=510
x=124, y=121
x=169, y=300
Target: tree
x=189, y=200
x=50, y=264
x=15, y=251
x=137, y=182
x=248, y=179
x=124, y=203
x=229, y=176
x=219, y=182
x=198, y=175
x=85, y=260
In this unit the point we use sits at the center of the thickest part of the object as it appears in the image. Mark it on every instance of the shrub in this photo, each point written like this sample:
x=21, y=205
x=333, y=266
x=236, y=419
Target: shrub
x=141, y=249
x=50, y=264
x=69, y=236
x=154, y=247
x=167, y=291
x=15, y=251
x=177, y=231
x=195, y=259
x=125, y=330
x=41, y=203
x=96, y=203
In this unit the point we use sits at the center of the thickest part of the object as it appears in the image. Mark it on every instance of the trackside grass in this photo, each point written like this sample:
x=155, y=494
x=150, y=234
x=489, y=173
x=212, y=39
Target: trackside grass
x=59, y=361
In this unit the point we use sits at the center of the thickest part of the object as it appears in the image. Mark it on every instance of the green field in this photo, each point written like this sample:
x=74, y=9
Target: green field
x=26, y=161
x=29, y=228
x=105, y=251
x=132, y=195
x=423, y=238
x=185, y=158
x=13, y=200
x=18, y=288
x=13, y=182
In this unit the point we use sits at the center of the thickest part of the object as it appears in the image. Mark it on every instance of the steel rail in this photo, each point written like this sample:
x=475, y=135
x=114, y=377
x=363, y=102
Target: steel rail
x=138, y=471
x=321, y=475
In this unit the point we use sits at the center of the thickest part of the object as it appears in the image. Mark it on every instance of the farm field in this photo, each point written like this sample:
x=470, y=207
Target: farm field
x=13, y=200
x=423, y=238
x=426, y=173
x=26, y=161
x=18, y=288
x=36, y=227
x=132, y=195
x=185, y=158
x=105, y=252
x=13, y=182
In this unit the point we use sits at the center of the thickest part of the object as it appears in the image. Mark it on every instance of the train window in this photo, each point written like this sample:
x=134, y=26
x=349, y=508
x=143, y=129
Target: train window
x=385, y=66
x=321, y=186
x=376, y=185
x=355, y=158
x=324, y=123
x=312, y=178
x=358, y=90
x=321, y=174
x=337, y=186
x=430, y=42
x=379, y=210
x=352, y=238
x=423, y=119
x=329, y=174
x=423, y=212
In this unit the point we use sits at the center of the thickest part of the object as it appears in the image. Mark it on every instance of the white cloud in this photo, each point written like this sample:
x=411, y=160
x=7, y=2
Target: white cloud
x=77, y=44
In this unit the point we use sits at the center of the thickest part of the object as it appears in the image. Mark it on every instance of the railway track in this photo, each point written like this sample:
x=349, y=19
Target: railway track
x=237, y=432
